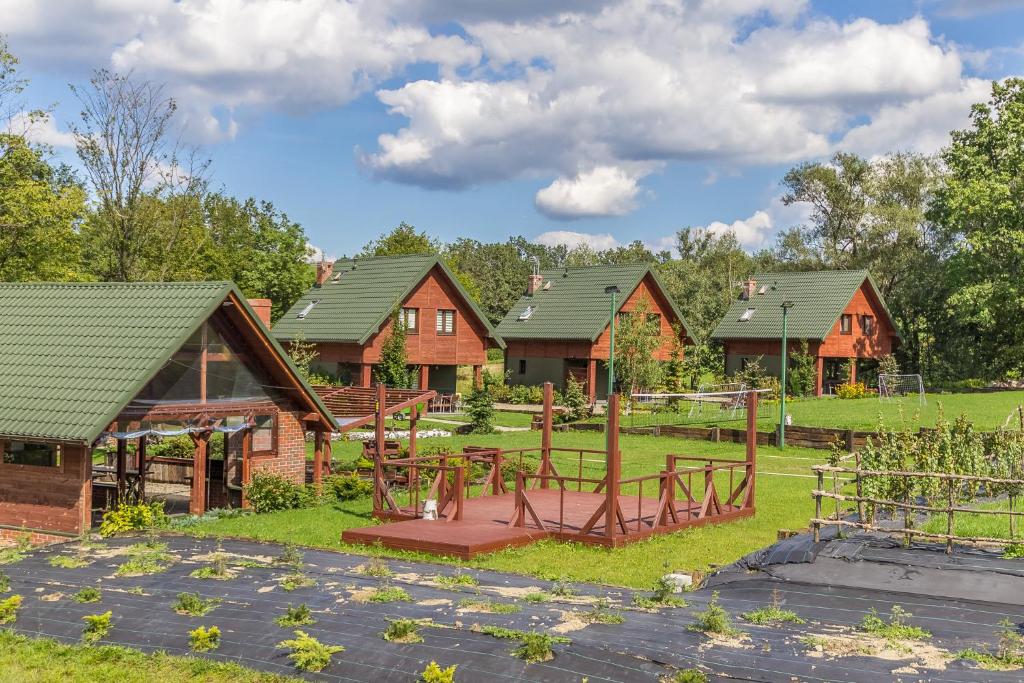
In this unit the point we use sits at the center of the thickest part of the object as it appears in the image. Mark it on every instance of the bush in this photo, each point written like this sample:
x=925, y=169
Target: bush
x=347, y=486
x=204, y=639
x=402, y=631
x=296, y=616
x=803, y=372
x=9, y=609
x=714, y=619
x=87, y=595
x=308, y=653
x=851, y=390
x=574, y=400
x=270, y=493
x=96, y=626
x=194, y=605
x=690, y=676
x=134, y=517
x=172, y=447
x=480, y=409
x=435, y=674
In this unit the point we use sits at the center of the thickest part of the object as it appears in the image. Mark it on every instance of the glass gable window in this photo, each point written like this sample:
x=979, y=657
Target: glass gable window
x=845, y=324
x=410, y=319
x=445, y=321
x=29, y=453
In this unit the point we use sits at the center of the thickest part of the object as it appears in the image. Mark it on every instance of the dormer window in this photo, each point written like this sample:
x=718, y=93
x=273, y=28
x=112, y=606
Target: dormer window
x=308, y=307
x=525, y=315
x=747, y=315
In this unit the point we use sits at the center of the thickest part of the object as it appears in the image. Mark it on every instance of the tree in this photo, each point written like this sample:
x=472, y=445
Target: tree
x=480, y=410
x=393, y=368
x=259, y=248
x=637, y=337
x=981, y=207
x=40, y=209
x=675, y=368
x=11, y=85
x=148, y=187
x=401, y=241
x=803, y=372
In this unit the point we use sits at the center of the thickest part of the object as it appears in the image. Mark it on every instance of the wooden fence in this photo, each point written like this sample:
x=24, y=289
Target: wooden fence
x=805, y=437
x=908, y=506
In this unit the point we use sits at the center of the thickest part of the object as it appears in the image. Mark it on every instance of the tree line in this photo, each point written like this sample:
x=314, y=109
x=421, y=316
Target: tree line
x=943, y=235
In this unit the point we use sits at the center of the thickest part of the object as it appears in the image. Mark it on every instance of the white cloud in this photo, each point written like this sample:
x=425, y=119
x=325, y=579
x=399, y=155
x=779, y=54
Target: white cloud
x=751, y=232
x=601, y=191
x=315, y=254
x=970, y=8
x=40, y=129
x=597, y=242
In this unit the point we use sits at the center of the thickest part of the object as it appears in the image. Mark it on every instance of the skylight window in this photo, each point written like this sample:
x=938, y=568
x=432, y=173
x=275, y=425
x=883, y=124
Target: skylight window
x=763, y=289
x=747, y=315
x=525, y=315
x=309, y=307
x=547, y=286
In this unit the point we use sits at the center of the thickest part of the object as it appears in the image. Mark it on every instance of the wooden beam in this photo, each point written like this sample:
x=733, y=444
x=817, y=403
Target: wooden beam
x=613, y=466
x=246, y=465
x=121, y=468
x=141, y=464
x=318, y=459
x=545, y=435
x=752, y=398
x=197, y=501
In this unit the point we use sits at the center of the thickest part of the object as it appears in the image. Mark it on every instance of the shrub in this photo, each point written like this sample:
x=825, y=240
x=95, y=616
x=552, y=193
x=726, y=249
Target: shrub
x=290, y=556
x=390, y=594
x=87, y=595
x=773, y=613
x=690, y=676
x=295, y=581
x=68, y=562
x=204, y=639
x=5, y=583
x=9, y=609
x=194, y=605
x=377, y=568
x=271, y=493
x=96, y=626
x=16, y=552
x=296, y=616
x=308, y=653
x=574, y=400
x=714, y=619
x=563, y=588
x=851, y=390
x=600, y=614
x=402, y=631
x=457, y=579
x=145, y=558
x=535, y=647
x=347, y=486
x=896, y=629
x=435, y=674
x=172, y=447
x=480, y=410
x=489, y=606
x=803, y=373
x=134, y=517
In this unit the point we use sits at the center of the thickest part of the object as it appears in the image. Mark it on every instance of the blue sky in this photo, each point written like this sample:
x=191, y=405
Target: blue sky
x=601, y=122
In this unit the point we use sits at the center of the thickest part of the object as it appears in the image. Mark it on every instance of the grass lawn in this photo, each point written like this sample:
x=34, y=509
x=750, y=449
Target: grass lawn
x=29, y=660
x=783, y=501
x=979, y=526
x=988, y=411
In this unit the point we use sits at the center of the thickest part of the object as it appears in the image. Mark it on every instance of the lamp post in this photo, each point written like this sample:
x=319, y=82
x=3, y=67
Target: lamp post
x=613, y=290
x=786, y=305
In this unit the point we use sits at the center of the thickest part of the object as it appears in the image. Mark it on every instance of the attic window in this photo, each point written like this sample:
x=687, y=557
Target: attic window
x=747, y=315
x=309, y=307
x=763, y=289
x=525, y=315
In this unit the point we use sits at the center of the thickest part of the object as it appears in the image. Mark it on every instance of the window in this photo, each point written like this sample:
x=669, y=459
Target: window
x=264, y=434
x=527, y=312
x=522, y=366
x=845, y=324
x=445, y=321
x=747, y=315
x=867, y=324
x=410, y=319
x=308, y=307
x=26, y=453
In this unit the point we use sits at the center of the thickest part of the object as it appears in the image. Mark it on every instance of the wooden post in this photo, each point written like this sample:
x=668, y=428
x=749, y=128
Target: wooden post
x=424, y=380
x=497, y=480
x=378, y=451
x=327, y=453
x=478, y=376
x=613, y=464
x=141, y=460
x=592, y=381
x=817, y=506
x=203, y=361
x=365, y=374
x=860, y=490
x=197, y=501
x=949, y=517
x=819, y=381
x=853, y=370
x=414, y=416
x=318, y=459
x=121, y=469
x=751, y=467
x=545, y=439
x=246, y=465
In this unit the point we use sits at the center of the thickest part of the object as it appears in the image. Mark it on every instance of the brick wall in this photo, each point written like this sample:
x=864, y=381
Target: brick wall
x=48, y=498
x=11, y=537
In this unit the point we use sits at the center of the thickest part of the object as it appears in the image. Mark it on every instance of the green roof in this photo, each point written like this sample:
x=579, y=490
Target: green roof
x=574, y=306
x=73, y=355
x=819, y=298
x=360, y=296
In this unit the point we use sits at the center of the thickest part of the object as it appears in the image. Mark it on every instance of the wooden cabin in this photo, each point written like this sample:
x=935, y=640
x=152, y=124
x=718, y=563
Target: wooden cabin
x=840, y=314
x=350, y=312
x=560, y=326
x=97, y=369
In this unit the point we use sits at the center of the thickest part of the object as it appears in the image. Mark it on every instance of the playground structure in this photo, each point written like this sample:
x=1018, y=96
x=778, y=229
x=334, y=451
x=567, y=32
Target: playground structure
x=569, y=494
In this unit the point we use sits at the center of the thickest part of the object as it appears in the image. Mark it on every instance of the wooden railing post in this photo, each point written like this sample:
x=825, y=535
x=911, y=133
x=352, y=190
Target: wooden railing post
x=520, y=513
x=498, y=479
x=545, y=438
x=751, y=465
x=459, y=491
x=612, y=467
x=817, y=506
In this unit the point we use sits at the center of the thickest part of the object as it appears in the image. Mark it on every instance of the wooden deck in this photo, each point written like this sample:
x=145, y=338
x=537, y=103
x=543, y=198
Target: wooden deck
x=484, y=527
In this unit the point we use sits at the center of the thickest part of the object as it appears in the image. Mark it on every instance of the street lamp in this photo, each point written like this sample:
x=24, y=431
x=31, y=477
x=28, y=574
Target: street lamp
x=786, y=305
x=613, y=290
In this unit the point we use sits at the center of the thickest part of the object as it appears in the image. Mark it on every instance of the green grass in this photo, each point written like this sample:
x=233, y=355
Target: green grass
x=986, y=526
x=783, y=502
x=29, y=660
x=897, y=629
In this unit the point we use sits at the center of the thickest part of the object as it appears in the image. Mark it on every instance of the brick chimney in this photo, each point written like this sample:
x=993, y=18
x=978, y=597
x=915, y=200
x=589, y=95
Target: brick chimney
x=749, y=288
x=536, y=282
x=262, y=309
x=323, y=271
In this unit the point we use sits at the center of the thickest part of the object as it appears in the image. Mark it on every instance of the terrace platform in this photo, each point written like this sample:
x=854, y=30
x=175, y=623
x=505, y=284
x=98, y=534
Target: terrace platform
x=485, y=527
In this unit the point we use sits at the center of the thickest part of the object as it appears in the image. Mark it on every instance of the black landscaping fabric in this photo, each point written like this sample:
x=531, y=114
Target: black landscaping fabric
x=829, y=584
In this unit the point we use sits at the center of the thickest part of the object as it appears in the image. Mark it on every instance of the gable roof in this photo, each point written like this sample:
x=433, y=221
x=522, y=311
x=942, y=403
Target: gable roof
x=73, y=355
x=352, y=307
x=575, y=305
x=819, y=297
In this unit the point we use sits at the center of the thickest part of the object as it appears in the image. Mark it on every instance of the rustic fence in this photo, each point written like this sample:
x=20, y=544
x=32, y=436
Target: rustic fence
x=909, y=505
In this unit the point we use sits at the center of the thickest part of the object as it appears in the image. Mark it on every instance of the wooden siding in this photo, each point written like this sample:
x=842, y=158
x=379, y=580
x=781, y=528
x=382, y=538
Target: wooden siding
x=48, y=498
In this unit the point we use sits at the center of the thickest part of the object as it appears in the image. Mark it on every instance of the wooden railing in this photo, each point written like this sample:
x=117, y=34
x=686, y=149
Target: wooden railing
x=951, y=485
